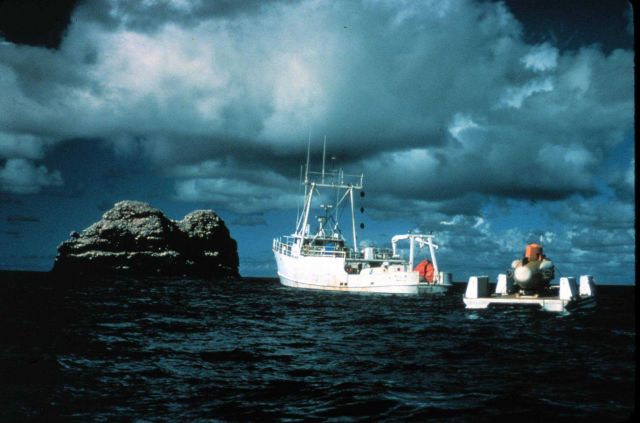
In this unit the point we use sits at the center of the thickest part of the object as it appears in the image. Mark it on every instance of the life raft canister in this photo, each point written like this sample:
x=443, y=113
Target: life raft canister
x=425, y=270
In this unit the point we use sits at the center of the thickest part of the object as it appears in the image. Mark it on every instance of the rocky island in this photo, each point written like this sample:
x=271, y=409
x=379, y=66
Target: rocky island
x=135, y=238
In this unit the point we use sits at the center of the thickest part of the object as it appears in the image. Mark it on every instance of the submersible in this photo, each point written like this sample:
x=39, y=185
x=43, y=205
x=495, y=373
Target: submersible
x=533, y=272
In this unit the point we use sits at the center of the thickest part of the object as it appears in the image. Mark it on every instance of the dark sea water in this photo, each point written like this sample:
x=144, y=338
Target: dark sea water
x=199, y=350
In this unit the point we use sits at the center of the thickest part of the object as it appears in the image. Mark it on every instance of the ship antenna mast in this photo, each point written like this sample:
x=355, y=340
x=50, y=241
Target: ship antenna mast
x=324, y=153
x=302, y=219
x=299, y=189
x=306, y=169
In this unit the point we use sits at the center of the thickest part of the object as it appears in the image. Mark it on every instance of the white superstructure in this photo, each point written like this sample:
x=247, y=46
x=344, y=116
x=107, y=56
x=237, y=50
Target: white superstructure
x=322, y=260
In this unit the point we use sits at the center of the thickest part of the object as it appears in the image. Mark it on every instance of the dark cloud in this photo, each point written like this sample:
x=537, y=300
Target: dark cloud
x=249, y=220
x=10, y=199
x=12, y=233
x=496, y=116
x=623, y=182
x=13, y=219
x=42, y=76
x=609, y=215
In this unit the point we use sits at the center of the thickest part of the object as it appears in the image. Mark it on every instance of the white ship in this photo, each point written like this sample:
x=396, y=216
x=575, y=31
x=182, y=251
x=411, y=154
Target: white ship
x=322, y=259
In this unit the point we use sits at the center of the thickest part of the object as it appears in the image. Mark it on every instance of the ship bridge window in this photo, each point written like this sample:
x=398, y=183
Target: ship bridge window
x=328, y=244
x=330, y=241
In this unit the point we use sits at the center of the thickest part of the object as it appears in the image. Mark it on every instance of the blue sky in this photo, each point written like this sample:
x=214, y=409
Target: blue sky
x=492, y=124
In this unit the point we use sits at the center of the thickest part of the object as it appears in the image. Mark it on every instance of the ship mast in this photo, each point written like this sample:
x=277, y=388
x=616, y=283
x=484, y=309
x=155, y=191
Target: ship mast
x=353, y=221
x=318, y=180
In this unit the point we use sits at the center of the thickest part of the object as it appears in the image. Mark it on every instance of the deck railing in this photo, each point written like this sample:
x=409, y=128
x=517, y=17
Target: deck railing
x=284, y=245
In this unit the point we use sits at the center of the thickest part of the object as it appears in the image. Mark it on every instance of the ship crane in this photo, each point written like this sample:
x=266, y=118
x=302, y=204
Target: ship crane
x=422, y=240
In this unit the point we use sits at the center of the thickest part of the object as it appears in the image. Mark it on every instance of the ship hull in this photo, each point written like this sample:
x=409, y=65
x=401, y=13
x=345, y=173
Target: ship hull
x=327, y=273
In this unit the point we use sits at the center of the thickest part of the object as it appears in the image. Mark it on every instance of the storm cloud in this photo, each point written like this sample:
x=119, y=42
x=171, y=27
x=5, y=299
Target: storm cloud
x=435, y=91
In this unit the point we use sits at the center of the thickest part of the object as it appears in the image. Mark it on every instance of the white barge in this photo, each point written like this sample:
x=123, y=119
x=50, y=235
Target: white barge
x=528, y=283
x=564, y=297
x=322, y=259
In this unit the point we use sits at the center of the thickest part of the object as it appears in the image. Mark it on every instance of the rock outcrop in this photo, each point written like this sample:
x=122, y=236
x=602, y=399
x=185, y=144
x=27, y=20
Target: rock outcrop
x=135, y=238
